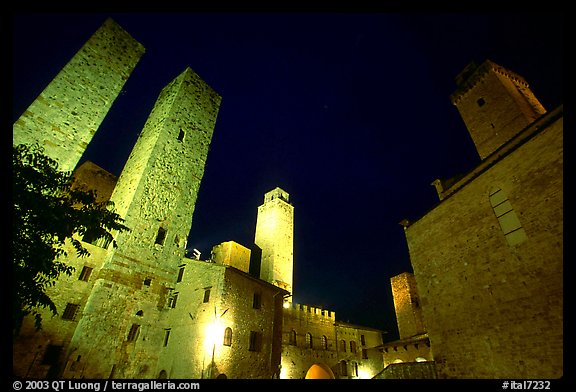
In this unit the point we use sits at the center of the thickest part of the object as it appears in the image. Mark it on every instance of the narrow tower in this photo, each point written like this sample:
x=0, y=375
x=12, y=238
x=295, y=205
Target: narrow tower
x=407, y=305
x=121, y=327
x=495, y=104
x=66, y=115
x=275, y=237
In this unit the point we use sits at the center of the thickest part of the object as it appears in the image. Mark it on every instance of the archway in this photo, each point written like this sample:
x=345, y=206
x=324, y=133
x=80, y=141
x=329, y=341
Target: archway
x=319, y=371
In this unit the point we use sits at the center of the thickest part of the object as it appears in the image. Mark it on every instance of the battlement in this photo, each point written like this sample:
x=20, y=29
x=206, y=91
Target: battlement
x=277, y=193
x=303, y=310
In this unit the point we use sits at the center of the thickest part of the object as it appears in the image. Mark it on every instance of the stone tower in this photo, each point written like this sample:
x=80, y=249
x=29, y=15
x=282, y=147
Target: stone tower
x=407, y=305
x=275, y=237
x=66, y=115
x=122, y=323
x=495, y=104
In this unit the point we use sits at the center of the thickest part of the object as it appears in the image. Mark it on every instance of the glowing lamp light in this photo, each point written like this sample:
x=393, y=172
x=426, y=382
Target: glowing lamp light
x=213, y=334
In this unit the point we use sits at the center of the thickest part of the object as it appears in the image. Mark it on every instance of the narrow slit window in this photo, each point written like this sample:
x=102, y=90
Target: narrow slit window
x=257, y=301
x=161, y=236
x=133, y=333
x=70, y=311
x=181, y=135
x=507, y=218
x=180, y=275
x=166, y=336
x=206, y=295
x=85, y=274
x=255, y=340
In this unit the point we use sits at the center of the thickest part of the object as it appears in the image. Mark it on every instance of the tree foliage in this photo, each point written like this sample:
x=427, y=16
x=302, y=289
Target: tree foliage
x=49, y=213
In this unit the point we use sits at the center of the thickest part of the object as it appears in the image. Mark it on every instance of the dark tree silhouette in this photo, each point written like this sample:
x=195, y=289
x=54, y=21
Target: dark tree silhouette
x=48, y=214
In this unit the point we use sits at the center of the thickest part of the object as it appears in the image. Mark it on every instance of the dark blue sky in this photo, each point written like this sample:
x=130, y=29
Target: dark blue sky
x=349, y=113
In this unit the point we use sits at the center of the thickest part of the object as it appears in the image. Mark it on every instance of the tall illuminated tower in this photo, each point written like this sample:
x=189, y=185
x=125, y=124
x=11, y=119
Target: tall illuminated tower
x=275, y=237
x=67, y=114
x=156, y=195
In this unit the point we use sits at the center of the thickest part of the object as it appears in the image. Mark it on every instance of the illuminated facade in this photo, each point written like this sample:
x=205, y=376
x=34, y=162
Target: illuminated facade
x=488, y=259
x=144, y=310
x=67, y=114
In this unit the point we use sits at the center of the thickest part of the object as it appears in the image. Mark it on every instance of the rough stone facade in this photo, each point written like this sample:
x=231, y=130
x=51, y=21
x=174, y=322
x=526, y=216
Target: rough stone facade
x=313, y=336
x=488, y=258
x=414, y=344
x=144, y=310
x=67, y=114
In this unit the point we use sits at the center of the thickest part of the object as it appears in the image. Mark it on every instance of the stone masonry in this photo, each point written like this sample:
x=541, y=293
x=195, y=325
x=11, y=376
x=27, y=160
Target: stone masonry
x=492, y=299
x=67, y=114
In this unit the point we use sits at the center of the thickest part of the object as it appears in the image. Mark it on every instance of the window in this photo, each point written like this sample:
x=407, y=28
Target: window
x=324, y=342
x=352, y=346
x=206, y=295
x=480, y=102
x=309, y=342
x=354, y=368
x=166, y=336
x=85, y=273
x=180, y=275
x=343, y=346
x=147, y=282
x=292, y=339
x=133, y=333
x=507, y=218
x=364, y=353
x=362, y=340
x=172, y=300
x=228, y=336
x=140, y=313
x=255, y=340
x=181, y=135
x=343, y=368
x=70, y=311
x=257, y=301
x=161, y=236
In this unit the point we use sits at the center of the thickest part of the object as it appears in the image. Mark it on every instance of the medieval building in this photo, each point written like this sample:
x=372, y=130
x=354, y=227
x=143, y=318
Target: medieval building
x=485, y=299
x=143, y=309
x=487, y=290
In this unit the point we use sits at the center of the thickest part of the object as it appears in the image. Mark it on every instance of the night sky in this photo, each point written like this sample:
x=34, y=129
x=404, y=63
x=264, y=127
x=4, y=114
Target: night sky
x=349, y=113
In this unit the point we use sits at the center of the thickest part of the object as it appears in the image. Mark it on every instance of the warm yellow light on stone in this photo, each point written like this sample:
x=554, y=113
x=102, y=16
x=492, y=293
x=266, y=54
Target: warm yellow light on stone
x=213, y=334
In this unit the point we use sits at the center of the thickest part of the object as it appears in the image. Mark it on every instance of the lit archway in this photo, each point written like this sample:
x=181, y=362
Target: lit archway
x=319, y=371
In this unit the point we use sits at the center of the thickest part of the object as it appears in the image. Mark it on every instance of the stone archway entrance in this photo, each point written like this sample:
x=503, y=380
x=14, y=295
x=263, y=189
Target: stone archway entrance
x=319, y=371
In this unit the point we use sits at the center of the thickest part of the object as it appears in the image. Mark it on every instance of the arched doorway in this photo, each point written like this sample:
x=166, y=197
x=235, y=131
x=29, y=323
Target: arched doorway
x=319, y=371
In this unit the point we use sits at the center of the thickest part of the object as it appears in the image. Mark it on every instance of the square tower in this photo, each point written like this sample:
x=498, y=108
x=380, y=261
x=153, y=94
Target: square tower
x=67, y=114
x=407, y=305
x=495, y=104
x=275, y=237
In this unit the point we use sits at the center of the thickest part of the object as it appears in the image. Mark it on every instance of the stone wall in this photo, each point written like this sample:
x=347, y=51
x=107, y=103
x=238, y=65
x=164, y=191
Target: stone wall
x=67, y=114
x=495, y=310
x=404, y=371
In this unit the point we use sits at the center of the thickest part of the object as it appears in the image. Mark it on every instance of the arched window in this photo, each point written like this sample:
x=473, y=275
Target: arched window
x=324, y=342
x=507, y=218
x=228, y=336
x=343, y=368
x=343, y=345
x=352, y=346
x=292, y=340
x=309, y=340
